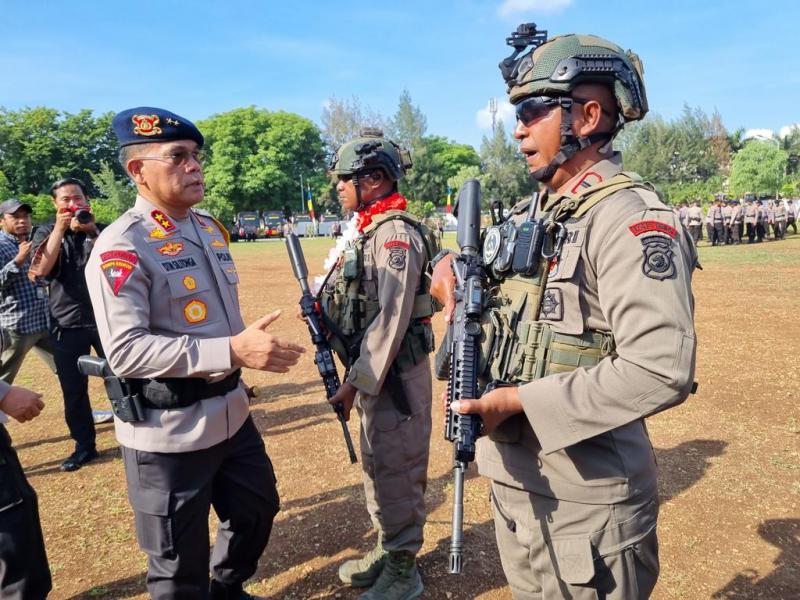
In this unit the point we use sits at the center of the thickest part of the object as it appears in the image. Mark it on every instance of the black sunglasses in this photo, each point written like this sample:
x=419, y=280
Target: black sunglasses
x=536, y=107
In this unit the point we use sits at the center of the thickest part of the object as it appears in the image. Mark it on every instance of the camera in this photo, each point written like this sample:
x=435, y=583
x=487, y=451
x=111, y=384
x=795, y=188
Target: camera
x=82, y=213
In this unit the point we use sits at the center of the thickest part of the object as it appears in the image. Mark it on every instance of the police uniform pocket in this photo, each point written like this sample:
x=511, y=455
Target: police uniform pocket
x=190, y=298
x=574, y=560
x=564, y=268
x=187, y=282
x=153, y=522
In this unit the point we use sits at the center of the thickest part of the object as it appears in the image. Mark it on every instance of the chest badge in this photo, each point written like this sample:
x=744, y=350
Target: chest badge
x=195, y=311
x=189, y=282
x=218, y=244
x=171, y=248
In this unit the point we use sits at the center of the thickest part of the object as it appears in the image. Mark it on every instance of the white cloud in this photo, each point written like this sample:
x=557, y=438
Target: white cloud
x=759, y=133
x=787, y=129
x=505, y=113
x=511, y=7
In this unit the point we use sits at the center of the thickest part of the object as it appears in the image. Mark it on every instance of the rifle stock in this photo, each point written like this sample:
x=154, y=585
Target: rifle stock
x=323, y=356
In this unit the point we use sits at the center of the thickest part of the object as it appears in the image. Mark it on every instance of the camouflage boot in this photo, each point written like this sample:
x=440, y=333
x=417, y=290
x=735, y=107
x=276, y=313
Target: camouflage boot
x=399, y=580
x=362, y=572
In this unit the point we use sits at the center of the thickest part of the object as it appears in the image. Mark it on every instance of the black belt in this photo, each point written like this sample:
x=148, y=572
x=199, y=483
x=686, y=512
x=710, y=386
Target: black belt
x=174, y=392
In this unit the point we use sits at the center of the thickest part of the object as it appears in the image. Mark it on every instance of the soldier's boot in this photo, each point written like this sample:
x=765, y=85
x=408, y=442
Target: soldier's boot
x=362, y=572
x=399, y=580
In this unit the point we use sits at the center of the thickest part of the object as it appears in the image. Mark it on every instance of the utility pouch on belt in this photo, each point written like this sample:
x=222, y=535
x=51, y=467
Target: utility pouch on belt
x=170, y=393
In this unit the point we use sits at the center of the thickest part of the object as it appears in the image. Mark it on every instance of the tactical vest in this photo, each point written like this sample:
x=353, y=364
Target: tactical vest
x=517, y=347
x=349, y=310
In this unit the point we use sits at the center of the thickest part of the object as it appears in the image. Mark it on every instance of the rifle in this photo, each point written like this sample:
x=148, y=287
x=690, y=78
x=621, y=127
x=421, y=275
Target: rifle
x=464, y=333
x=323, y=358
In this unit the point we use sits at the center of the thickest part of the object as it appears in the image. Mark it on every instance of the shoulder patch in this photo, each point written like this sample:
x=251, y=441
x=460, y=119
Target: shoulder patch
x=659, y=260
x=396, y=244
x=163, y=220
x=117, y=265
x=641, y=227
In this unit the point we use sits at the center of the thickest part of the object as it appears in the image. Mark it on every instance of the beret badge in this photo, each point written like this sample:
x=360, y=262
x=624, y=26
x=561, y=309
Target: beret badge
x=146, y=125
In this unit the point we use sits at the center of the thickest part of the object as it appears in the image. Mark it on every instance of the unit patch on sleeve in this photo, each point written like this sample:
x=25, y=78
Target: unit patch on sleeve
x=397, y=253
x=659, y=260
x=659, y=257
x=117, y=265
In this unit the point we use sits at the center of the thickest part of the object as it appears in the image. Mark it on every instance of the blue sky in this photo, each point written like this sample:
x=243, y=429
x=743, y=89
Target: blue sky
x=199, y=58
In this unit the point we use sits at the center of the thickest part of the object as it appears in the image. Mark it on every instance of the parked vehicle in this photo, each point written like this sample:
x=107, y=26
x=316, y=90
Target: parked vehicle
x=273, y=223
x=248, y=223
x=303, y=226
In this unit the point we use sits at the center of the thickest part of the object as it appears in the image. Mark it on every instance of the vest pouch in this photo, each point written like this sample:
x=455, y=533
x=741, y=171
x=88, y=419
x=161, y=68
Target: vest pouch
x=351, y=264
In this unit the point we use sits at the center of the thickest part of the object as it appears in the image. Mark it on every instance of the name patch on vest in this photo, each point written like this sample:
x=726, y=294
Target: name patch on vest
x=179, y=264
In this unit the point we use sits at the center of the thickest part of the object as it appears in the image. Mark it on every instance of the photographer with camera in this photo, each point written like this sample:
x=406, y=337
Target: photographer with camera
x=61, y=250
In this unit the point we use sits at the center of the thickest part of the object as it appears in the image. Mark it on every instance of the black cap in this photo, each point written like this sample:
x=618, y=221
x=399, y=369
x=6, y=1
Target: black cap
x=12, y=205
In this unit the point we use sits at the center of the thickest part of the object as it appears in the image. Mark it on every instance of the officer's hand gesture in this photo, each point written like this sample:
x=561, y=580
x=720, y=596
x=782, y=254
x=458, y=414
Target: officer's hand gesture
x=21, y=404
x=256, y=349
x=22, y=253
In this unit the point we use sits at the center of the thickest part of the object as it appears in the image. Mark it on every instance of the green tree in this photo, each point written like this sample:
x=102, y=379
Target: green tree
x=115, y=193
x=256, y=158
x=456, y=181
x=505, y=173
x=408, y=126
x=40, y=145
x=342, y=120
x=5, y=188
x=759, y=167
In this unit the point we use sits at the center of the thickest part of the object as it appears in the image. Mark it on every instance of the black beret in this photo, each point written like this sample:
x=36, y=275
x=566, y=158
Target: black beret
x=146, y=124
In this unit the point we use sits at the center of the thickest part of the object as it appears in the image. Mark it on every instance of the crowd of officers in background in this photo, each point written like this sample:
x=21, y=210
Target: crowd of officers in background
x=729, y=221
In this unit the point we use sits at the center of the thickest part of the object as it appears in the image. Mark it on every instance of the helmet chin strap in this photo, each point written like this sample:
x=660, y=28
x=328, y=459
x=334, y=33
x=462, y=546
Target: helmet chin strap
x=570, y=145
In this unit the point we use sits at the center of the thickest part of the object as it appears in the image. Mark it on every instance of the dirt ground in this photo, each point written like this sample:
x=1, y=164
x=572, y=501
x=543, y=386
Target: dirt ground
x=729, y=459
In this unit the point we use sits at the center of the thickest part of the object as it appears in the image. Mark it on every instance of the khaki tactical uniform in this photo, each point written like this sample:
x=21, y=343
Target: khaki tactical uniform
x=574, y=476
x=377, y=298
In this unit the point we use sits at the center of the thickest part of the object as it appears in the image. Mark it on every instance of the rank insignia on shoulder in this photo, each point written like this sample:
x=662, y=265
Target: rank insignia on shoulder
x=117, y=265
x=218, y=244
x=171, y=248
x=163, y=220
x=195, y=311
x=146, y=125
x=189, y=282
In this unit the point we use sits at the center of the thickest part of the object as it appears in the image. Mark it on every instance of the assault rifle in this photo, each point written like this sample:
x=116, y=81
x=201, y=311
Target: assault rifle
x=323, y=357
x=464, y=333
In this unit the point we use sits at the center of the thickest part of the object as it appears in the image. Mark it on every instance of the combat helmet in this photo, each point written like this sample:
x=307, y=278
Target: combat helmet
x=553, y=68
x=370, y=151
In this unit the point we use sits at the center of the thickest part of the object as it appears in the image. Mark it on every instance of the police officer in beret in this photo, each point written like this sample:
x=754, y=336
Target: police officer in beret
x=592, y=341
x=378, y=303
x=165, y=292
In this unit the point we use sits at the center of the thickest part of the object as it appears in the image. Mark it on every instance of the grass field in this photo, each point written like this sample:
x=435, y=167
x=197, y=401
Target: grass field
x=729, y=458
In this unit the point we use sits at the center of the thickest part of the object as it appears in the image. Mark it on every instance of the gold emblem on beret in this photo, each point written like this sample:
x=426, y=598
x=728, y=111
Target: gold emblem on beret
x=146, y=125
